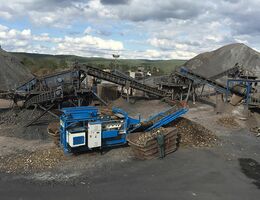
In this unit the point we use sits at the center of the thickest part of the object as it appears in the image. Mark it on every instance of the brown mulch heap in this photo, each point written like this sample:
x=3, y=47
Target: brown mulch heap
x=228, y=122
x=142, y=139
x=29, y=162
x=194, y=134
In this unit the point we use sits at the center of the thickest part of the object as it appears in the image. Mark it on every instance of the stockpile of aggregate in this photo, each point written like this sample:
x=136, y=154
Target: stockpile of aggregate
x=13, y=123
x=212, y=63
x=13, y=72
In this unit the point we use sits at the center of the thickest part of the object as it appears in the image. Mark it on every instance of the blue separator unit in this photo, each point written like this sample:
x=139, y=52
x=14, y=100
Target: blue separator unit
x=86, y=128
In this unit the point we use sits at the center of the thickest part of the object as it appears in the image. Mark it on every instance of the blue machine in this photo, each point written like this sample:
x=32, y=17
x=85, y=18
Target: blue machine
x=86, y=128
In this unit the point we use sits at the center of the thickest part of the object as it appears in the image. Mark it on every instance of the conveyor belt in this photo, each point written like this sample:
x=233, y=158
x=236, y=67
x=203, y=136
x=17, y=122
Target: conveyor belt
x=118, y=79
x=48, y=96
x=123, y=75
x=218, y=86
x=199, y=79
x=224, y=73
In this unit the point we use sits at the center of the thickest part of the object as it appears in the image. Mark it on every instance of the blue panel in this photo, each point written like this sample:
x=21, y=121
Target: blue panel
x=115, y=142
x=82, y=112
x=109, y=134
x=78, y=140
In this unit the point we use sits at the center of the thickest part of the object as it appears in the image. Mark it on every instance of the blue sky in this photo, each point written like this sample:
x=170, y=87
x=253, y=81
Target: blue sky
x=169, y=29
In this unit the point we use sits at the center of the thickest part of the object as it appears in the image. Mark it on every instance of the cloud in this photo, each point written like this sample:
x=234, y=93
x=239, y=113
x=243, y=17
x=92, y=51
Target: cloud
x=160, y=10
x=157, y=29
x=85, y=45
x=154, y=54
x=54, y=13
x=114, y=2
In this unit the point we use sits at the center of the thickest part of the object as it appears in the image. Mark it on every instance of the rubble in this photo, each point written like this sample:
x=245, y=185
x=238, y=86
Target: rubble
x=13, y=72
x=13, y=123
x=212, y=63
x=256, y=131
x=144, y=138
x=193, y=134
x=29, y=162
x=228, y=122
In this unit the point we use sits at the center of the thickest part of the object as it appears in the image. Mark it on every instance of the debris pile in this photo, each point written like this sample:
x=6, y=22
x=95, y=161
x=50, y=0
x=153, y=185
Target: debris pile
x=256, y=131
x=194, y=134
x=13, y=124
x=212, y=63
x=28, y=162
x=228, y=122
x=13, y=72
x=18, y=116
x=142, y=139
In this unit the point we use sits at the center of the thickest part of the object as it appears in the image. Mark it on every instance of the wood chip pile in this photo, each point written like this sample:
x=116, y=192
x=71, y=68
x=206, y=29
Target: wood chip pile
x=228, y=122
x=28, y=162
x=194, y=134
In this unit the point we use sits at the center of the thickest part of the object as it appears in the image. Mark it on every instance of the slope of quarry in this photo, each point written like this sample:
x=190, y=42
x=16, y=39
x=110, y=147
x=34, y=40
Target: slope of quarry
x=13, y=72
x=212, y=63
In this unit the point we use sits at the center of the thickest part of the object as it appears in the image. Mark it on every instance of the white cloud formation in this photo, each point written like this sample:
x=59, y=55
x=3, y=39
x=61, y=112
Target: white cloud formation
x=86, y=45
x=163, y=29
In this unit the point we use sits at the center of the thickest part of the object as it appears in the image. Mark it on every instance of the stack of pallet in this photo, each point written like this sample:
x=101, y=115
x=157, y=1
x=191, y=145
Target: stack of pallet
x=145, y=145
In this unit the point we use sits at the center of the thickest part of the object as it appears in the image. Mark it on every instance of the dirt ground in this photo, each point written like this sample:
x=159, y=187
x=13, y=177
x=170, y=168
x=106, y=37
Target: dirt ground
x=117, y=167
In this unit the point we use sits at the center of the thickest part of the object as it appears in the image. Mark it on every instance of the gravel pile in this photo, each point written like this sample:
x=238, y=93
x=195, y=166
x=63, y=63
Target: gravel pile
x=13, y=72
x=17, y=116
x=29, y=162
x=212, y=63
x=228, y=122
x=13, y=124
x=194, y=134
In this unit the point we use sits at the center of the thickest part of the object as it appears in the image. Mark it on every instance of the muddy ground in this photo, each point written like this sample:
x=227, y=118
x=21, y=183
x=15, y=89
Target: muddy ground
x=226, y=170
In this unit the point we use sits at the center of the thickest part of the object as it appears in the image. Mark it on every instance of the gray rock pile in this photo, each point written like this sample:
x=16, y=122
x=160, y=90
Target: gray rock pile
x=212, y=63
x=12, y=71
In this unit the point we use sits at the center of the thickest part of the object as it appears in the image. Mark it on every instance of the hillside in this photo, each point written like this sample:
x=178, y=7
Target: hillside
x=13, y=73
x=212, y=63
x=44, y=63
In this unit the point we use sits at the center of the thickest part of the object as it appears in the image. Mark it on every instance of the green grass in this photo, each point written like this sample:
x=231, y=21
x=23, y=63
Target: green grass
x=44, y=63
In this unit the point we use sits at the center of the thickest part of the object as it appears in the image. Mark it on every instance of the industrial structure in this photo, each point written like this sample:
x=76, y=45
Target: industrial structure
x=85, y=128
x=72, y=87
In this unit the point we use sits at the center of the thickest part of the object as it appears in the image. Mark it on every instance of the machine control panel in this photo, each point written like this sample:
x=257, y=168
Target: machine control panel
x=94, y=135
x=76, y=139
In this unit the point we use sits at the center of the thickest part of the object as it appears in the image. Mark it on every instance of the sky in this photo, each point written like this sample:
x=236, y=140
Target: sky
x=135, y=29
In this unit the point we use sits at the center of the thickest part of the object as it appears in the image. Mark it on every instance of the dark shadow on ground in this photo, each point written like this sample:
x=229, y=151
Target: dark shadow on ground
x=251, y=169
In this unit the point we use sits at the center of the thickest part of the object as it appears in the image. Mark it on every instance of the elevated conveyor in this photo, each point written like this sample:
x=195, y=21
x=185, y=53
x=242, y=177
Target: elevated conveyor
x=120, y=80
